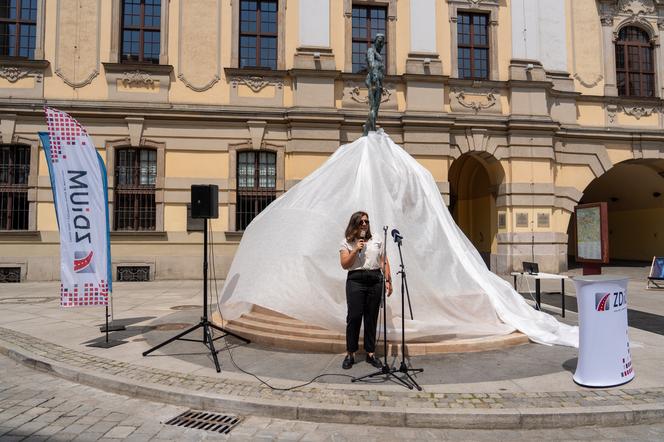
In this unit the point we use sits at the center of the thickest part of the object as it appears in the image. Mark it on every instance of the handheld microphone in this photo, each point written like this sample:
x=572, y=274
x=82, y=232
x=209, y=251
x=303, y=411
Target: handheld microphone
x=363, y=233
x=396, y=236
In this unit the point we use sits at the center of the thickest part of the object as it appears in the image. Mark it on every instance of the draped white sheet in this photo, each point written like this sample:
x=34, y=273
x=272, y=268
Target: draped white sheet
x=288, y=259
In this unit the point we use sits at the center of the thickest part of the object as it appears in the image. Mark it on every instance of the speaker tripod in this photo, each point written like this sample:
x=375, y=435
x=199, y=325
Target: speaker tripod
x=204, y=323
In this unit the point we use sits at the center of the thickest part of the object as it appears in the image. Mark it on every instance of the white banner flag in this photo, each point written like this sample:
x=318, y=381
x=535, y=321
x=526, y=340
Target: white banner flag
x=78, y=180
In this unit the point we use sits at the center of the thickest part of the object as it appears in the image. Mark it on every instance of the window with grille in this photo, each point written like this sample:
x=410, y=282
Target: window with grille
x=134, y=205
x=473, y=46
x=14, y=173
x=367, y=22
x=256, y=185
x=258, y=33
x=141, y=29
x=635, y=70
x=18, y=28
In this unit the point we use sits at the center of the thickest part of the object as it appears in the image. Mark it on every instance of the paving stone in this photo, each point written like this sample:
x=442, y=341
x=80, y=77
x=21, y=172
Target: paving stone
x=119, y=432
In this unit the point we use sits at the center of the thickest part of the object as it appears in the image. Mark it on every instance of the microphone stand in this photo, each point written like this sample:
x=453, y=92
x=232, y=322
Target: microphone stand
x=403, y=368
x=386, y=370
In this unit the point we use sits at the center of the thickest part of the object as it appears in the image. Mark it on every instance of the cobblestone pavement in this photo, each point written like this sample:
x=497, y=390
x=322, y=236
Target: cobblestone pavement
x=333, y=396
x=35, y=406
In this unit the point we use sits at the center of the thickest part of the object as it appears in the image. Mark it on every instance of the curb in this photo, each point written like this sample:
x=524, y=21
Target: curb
x=514, y=418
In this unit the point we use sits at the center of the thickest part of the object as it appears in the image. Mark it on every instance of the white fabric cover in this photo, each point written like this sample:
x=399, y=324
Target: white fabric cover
x=288, y=259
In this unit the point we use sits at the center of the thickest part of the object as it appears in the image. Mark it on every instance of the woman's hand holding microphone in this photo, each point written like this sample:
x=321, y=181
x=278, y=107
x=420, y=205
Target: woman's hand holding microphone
x=359, y=245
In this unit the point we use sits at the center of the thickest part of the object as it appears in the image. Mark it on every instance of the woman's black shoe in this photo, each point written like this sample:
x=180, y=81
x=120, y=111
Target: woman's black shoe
x=348, y=362
x=374, y=361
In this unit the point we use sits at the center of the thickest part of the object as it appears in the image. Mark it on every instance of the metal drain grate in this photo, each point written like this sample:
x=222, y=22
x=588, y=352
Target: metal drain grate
x=203, y=420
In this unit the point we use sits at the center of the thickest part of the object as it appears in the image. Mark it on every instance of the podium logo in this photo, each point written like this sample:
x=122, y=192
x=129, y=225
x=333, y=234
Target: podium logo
x=602, y=302
x=83, y=262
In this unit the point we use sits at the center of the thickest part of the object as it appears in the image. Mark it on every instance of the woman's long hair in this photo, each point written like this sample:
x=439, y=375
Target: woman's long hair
x=353, y=229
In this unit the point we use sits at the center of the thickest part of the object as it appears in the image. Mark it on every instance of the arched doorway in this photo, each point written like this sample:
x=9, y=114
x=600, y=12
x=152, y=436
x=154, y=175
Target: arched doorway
x=474, y=178
x=634, y=193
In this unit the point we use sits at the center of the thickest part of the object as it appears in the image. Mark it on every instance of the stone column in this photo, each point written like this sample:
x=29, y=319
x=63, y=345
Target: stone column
x=609, y=52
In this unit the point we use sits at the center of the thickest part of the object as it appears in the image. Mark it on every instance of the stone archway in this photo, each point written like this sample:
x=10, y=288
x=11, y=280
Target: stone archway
x=474, y=178
x=634, y=193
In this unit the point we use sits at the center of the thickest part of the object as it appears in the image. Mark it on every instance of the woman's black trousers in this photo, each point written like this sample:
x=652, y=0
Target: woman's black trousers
x=363, y=293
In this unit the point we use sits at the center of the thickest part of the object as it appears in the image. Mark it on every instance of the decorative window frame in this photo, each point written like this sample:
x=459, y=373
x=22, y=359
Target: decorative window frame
x=116, y=22
x=14, y=69
x=489, y=7
x=33, y=179
x=233, y=150
x=391, y=6
x=124, y=143
x=654, y=45
x=281, y=36
x=617, y=14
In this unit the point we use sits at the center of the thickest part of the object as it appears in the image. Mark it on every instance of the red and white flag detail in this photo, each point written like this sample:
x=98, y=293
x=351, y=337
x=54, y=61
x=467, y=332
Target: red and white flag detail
x=78, y=180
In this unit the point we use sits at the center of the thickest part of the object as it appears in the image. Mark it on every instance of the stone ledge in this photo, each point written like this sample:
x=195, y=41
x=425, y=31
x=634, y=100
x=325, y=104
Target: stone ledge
x=409, y=409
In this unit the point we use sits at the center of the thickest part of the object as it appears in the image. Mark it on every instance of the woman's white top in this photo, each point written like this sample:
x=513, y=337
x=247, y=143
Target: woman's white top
x=369, y=257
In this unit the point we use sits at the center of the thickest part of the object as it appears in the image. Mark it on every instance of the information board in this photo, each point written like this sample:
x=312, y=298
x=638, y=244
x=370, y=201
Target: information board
x=592, y=241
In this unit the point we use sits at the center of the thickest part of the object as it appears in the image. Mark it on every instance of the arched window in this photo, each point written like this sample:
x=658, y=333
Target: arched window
x=635, y=69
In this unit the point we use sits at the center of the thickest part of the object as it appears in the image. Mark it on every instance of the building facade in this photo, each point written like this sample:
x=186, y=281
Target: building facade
x=520, y=109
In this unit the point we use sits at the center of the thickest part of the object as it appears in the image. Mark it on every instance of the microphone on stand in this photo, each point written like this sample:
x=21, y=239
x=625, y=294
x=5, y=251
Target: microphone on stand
x=396, y=236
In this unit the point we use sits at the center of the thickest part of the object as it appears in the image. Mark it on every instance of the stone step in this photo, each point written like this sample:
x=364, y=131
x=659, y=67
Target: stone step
x=325, y=341
x=281, y=320
x=251, y=321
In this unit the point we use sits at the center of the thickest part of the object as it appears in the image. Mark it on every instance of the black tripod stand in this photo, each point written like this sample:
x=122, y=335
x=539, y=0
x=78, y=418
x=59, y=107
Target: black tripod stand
x=403, y=368
x=205, y=324
x=385, y=370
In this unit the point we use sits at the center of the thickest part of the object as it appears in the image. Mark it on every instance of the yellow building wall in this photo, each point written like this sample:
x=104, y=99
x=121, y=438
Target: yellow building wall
x=590, y=114
x=436, y=165
x=619, y=152
x=197, y=164
x=175, y=218
x=573, y=175
x=443, y=37
x=298, y=166
x=651, y=121
x=337, y=33
x=585, y=53
x=536, y=171
x=291, y=34
x=403, y=29
x=46, y=220
x=504, y=46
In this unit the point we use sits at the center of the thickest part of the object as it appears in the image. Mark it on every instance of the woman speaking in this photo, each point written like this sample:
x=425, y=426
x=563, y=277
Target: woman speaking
x=362, y=255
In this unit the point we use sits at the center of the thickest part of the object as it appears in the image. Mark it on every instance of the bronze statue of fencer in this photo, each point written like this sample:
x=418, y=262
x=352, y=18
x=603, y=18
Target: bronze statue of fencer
x=374, y=81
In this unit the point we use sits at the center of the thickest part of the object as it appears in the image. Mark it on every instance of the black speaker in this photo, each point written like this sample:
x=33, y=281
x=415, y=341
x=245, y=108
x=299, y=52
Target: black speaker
x=204, y=201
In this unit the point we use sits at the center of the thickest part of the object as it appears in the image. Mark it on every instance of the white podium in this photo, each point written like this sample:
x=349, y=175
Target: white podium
x=604, y=355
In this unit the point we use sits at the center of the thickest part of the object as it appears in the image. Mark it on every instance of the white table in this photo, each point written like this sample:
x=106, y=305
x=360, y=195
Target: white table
x=538, y=277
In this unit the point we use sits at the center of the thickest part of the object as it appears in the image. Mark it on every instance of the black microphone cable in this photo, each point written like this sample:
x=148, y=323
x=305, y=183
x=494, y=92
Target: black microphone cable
x=213, y=275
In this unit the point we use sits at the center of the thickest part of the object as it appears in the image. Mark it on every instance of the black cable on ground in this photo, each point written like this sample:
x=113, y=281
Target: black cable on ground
x=213, y=276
